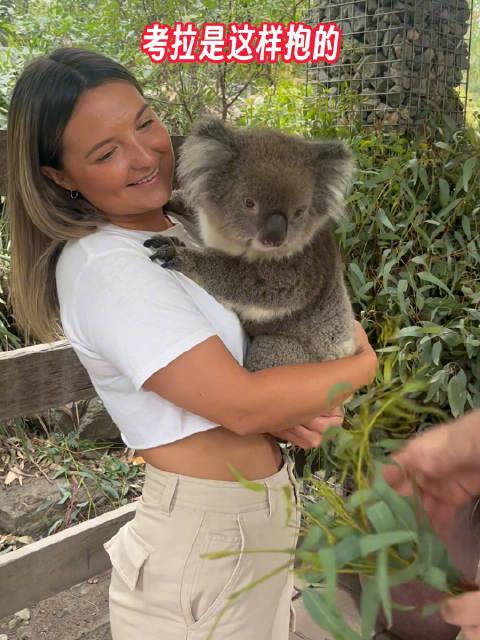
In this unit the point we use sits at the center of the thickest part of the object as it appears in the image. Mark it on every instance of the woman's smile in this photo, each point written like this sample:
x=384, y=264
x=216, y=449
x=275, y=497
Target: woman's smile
x=151, y=178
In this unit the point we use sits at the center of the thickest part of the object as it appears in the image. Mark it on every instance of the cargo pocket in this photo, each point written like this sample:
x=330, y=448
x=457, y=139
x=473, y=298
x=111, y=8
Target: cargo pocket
x=208, y=582
x=128, y=553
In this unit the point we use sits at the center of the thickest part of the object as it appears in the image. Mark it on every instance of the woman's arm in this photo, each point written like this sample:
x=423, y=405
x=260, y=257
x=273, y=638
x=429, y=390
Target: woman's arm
x=208, y=381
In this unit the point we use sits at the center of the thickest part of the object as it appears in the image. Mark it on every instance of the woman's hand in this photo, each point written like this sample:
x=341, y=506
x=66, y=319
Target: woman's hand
x=310, y=435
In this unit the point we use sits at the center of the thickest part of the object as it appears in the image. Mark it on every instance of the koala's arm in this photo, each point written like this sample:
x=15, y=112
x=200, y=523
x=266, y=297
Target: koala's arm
x=227, y=278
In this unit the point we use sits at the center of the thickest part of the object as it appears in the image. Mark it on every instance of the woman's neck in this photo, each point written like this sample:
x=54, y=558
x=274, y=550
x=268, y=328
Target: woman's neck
x=151, y=221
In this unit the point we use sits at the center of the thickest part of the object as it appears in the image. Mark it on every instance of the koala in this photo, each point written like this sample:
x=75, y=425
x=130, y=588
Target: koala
x=261, y=205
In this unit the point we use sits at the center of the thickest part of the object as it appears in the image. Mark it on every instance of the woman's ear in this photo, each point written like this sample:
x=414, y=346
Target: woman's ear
x=58, y=177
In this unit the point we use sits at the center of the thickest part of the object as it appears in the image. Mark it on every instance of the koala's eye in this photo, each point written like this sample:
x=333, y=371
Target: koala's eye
x=249, y=203
x=300, y=211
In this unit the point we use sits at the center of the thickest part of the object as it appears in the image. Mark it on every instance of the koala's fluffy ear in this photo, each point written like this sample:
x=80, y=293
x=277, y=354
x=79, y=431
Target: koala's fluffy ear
x=212, y=128
x=333, y=165
x=210, y=145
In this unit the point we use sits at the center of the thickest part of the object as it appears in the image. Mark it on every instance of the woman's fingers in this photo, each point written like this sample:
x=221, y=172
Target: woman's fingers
x=310, y=435
x=301, y=437
x=321, y=423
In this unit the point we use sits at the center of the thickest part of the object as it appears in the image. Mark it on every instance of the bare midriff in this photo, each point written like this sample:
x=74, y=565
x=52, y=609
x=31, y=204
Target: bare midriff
x=208, y=454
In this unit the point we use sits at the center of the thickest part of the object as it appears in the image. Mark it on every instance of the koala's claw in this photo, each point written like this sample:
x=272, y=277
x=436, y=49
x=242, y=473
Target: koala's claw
x=167, y=252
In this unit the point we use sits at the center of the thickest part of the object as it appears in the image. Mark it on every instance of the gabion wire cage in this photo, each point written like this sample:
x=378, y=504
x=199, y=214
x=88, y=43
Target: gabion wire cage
x=400, y=61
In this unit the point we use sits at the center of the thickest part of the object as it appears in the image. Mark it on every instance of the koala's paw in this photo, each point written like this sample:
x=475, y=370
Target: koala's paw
x=172, y=256
x=157, y=242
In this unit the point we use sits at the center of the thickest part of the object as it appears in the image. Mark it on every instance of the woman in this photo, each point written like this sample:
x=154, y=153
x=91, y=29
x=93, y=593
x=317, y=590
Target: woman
x=90, y=172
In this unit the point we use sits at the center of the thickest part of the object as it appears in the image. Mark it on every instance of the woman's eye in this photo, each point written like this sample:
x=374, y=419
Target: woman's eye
x=249, y=203
x=106, y=156
x=145, y=124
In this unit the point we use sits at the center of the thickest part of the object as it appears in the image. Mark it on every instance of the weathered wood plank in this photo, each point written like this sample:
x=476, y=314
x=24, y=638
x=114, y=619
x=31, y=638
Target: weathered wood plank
x=176, y=142
x=59, y=561
x=34, y=379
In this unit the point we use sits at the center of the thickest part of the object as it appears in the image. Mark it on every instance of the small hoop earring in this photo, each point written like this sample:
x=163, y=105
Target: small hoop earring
x=73, y=194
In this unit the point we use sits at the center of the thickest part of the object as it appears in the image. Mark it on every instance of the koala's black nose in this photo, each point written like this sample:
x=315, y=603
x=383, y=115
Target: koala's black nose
x=274, y=229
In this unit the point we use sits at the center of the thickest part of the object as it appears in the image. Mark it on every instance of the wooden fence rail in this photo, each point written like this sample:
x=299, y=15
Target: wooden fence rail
x=32, y=380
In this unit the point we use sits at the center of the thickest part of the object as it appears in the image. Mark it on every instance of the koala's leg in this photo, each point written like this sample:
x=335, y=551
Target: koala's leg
x=273, y=351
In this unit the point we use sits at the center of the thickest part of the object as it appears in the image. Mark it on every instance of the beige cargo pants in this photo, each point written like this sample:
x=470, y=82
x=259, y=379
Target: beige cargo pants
x=161, y=589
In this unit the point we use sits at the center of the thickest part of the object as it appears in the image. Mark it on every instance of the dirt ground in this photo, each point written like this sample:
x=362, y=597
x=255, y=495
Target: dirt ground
x=80, y=613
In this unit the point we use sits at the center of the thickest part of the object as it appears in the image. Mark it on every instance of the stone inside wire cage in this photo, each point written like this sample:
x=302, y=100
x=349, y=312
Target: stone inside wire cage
x=400, y=60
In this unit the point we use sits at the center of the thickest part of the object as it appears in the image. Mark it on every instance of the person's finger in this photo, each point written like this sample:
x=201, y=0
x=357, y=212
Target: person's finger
x=463, y=610
x=397, y=477
x=334, y=411
x=320, y=424
x=311, y=438
x=301, y=437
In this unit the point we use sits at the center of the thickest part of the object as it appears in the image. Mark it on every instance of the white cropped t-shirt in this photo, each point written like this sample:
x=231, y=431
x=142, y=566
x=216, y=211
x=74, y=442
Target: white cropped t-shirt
x=127, y=317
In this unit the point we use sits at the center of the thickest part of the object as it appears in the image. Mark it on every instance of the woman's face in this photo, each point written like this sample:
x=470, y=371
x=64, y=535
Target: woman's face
x=113, y=144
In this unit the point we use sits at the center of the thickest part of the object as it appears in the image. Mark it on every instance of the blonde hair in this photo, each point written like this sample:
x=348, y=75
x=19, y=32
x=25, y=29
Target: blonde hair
x=42, y=216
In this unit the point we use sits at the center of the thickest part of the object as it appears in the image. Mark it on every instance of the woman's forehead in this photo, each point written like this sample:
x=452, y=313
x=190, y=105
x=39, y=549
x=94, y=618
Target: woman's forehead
x=101, y=112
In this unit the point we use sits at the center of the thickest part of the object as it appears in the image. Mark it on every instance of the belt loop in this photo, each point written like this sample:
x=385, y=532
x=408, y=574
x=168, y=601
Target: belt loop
x=168, y=493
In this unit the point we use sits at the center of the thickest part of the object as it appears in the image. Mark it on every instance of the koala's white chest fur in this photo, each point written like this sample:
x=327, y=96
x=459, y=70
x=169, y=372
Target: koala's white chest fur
x=254, y=313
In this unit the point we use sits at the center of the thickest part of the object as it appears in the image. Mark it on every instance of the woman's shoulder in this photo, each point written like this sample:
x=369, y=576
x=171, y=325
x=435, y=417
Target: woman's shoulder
x=108, y=239
x=110, y=249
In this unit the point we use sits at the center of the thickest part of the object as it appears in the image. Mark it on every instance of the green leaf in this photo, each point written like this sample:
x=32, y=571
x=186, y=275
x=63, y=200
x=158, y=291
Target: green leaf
x=436, y=352
x=403, y=508
x=436, y=578
x=444, y=191
x=248, y=484
x=402, y=576
x=327, y=617
x=457, y=393
x=361, y=497
x=347, y=551
x=375, y=541
x=382, y=216
x=322, y=612
x=429, y=277
x=383, y=585
x=369, y=607
x=446, y=210
x=467, y=230
x=327, y=559
x=60, y=472
x=313, y=539
x=468, y=168
x=381, y=517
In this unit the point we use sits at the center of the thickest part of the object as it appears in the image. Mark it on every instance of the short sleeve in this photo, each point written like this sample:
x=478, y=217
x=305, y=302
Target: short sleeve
x=135, y=314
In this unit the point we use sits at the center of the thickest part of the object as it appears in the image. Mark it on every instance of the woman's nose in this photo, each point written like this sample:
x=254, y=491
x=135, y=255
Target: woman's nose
x=141, y=156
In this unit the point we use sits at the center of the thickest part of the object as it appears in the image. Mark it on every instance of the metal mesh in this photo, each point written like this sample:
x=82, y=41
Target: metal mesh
x=401, y=60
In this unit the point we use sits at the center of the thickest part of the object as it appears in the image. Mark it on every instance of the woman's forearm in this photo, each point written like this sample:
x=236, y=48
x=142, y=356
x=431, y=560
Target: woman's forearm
x=271, y=405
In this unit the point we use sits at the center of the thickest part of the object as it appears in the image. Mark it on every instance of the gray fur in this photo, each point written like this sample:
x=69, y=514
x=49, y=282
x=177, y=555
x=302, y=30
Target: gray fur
x=291, y=298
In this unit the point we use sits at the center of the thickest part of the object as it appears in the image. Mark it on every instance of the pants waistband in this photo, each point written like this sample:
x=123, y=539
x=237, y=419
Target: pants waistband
x=163, y=489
